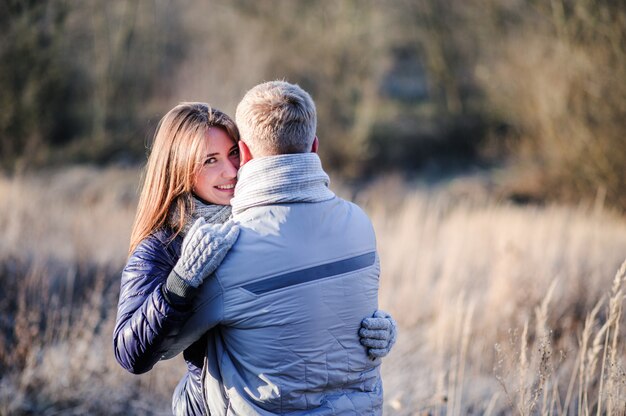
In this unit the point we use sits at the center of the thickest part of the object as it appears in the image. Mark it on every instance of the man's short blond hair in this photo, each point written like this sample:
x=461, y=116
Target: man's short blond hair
x=276, y=118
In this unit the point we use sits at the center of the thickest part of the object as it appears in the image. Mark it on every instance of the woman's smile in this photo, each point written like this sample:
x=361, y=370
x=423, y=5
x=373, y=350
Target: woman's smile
x=226, y=187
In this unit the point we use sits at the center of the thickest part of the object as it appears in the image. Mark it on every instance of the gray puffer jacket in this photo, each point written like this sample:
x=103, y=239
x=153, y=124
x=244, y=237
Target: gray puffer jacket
x=289, y=298
x=148, y=321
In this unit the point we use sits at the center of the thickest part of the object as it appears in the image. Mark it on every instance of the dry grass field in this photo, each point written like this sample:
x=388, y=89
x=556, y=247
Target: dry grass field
x=502, y=309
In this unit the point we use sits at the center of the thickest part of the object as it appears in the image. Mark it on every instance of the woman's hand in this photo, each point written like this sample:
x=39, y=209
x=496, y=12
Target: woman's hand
x=378, y=334
x=203, y=250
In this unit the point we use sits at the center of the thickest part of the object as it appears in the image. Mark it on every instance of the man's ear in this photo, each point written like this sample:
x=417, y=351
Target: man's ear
x=316, y=144
x=244, y=153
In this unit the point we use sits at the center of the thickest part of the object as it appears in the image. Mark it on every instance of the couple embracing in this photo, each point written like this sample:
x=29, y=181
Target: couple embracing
x=245, y=261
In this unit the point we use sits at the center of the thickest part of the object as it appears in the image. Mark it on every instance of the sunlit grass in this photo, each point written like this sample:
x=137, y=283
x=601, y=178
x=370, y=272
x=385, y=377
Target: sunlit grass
x=502, y=308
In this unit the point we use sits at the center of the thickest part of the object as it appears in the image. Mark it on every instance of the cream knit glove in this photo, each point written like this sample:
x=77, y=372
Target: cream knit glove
x=378, y=334
x=203, y=249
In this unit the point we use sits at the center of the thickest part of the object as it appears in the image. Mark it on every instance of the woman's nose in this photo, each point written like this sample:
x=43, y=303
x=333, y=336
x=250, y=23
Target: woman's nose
x=230, y=170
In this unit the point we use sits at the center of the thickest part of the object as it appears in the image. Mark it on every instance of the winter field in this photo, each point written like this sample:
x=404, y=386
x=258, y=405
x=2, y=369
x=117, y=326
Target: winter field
x=502, y=309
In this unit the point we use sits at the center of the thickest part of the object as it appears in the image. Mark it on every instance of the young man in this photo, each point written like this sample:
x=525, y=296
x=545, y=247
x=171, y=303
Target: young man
x=290, y=295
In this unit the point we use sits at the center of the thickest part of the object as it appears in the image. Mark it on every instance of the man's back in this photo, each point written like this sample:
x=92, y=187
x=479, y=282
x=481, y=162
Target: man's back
x=294, y=289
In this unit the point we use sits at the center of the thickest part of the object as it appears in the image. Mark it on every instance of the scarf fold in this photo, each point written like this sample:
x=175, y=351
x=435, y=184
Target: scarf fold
x=281, y=179
x=212, y=213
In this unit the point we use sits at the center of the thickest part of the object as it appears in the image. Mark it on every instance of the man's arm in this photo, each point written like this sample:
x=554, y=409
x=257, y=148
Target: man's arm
x=208, y=311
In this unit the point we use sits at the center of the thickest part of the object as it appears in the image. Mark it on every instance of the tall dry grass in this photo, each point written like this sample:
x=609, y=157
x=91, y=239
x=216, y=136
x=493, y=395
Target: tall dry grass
x=64, y=242
x=503, y=309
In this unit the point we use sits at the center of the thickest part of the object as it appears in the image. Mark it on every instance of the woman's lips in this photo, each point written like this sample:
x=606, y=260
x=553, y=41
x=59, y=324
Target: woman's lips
x=226, y=188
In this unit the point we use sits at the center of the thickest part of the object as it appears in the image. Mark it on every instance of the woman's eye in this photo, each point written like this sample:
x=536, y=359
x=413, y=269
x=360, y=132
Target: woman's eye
x=210, y=161
x=234, y=152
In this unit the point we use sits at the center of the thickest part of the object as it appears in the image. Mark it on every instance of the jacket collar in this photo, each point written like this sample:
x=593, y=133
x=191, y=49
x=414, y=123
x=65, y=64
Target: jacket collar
x=281, y=179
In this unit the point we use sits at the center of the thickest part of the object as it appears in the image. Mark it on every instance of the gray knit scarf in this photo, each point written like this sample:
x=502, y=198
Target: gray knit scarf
x=281, y=179
x=212, y=213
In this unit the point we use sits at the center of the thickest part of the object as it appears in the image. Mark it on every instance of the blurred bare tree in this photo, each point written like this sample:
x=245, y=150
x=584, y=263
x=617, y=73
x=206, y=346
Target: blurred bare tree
x=77, y=79
x=557, y=76
x=398, y=85
x=335, y=50
x=32, y=83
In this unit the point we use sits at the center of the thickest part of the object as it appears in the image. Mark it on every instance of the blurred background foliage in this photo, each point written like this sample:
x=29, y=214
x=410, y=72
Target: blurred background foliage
x=537, y=88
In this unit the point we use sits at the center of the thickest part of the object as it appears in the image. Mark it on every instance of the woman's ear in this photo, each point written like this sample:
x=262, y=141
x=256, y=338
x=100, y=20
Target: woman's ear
x=244, y=153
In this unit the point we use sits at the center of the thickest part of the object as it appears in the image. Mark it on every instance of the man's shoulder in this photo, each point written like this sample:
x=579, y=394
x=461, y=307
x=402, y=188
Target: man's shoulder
x=301, y=227
x=336, y=208
x=354, y=212
x=354, y=206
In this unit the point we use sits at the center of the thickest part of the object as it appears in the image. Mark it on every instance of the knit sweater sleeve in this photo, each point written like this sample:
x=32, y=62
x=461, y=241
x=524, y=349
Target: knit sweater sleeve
x=146, y=323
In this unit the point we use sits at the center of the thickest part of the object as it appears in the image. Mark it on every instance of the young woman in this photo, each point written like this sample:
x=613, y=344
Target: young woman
x=180, y=235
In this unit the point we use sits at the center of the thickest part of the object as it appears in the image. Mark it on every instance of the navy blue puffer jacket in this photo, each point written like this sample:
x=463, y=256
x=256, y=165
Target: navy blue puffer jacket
x=147, y=323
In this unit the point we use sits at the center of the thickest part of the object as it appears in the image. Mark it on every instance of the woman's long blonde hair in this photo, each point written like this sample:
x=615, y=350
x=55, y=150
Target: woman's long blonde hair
x=175, y=159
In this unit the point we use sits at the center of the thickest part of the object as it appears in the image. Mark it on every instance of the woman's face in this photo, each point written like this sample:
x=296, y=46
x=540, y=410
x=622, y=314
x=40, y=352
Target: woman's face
x=215, y=183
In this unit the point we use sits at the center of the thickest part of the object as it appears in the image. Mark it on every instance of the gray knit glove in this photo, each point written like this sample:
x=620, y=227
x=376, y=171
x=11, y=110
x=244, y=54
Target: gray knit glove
x=204, y=247
x=378, y=334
